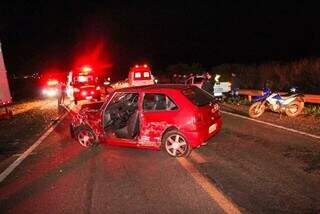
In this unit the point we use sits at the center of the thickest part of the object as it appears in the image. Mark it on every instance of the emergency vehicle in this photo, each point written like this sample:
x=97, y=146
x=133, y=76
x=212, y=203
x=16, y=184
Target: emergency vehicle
x=83, y=85
x=49, y=83
x=140, y=75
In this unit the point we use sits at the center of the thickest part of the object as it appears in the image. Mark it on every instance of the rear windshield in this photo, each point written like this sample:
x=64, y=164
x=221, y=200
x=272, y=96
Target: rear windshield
x=197, y=96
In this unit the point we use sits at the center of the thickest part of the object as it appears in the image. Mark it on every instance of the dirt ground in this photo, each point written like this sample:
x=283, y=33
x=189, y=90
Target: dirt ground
x=30, y=119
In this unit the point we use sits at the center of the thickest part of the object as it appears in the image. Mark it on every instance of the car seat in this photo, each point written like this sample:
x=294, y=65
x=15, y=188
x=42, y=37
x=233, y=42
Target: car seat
x=131, y=130
x=160, y=102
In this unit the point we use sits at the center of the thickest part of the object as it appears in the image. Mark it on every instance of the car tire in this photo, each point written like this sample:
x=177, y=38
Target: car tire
x=175, y=144
x=86, y=137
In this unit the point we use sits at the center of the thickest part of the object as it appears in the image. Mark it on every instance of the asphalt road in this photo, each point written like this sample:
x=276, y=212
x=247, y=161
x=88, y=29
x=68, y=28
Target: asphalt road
x=259, y=169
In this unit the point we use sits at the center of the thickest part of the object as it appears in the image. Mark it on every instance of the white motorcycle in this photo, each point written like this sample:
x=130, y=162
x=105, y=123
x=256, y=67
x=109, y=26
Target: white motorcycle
x=292, y=104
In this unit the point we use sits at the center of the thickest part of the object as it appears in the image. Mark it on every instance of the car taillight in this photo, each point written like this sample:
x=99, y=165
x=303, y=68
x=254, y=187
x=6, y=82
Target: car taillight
x=76, y=90
x=84, y=93
x=92, y=92
x=98, y=88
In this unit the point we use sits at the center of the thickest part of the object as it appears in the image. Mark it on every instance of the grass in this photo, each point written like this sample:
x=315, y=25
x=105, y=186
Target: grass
x=312, y=109
x=237, y=100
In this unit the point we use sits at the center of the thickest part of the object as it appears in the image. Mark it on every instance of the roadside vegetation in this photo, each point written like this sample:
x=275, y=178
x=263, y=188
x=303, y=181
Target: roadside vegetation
x=279, y=76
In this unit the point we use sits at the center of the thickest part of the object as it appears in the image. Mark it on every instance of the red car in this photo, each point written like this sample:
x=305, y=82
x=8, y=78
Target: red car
x=176, y=118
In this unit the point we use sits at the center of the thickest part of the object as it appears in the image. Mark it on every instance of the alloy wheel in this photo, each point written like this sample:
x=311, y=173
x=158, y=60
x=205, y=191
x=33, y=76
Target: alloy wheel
x=86, y=138
x=176, y=145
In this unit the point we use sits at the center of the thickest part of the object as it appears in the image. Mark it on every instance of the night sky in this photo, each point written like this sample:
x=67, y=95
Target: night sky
x=38, y=35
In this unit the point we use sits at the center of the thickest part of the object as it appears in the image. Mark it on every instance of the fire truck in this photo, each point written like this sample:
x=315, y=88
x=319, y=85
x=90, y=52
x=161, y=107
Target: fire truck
x=82, y=84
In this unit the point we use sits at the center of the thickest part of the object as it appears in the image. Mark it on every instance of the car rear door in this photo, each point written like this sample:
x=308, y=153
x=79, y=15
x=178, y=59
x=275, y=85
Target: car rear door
x=158, y=113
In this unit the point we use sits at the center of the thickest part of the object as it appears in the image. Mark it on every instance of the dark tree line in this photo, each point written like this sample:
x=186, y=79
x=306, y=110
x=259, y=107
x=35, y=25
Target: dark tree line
x=304, y=74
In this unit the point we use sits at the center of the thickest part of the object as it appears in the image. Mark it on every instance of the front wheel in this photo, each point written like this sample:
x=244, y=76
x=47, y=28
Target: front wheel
x=256, y=109
x=176, y=144
x=294, y=108
x=86, y=137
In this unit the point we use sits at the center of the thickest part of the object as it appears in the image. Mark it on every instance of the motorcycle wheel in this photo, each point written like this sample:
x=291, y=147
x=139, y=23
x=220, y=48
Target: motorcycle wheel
x=256, y=109
x=294, y=108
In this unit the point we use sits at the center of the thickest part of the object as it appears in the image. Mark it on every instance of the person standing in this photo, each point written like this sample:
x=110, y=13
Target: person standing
x=234, y=85
x=208, y=84
x=61, y=93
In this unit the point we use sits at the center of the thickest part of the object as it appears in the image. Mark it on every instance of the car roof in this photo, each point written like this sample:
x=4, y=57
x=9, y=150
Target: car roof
x=155, y=87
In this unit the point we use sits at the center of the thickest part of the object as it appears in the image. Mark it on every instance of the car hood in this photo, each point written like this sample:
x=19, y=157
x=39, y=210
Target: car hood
x=92, y=106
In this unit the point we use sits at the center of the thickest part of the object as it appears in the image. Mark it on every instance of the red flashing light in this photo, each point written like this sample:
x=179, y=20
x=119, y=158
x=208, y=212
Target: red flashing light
x=145, y=65
x=86, y=69
x=52, y=82
x=137, y=66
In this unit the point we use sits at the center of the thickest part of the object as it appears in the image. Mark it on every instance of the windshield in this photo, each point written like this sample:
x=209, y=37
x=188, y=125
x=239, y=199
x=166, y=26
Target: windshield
x=197, y=96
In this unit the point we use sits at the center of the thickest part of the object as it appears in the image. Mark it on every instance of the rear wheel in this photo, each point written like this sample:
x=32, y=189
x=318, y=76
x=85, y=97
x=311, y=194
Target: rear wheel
x=256, y=109
x=86, y=137
x=294, y=108
x=176, y=144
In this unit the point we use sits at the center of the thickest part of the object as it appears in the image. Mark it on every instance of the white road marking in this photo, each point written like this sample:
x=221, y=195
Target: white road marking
x=17, y=155
x=223, y=201
x=17, y=162
x=273, y=125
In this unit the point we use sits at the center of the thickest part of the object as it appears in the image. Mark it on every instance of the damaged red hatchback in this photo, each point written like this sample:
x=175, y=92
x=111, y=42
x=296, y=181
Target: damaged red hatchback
x=176, y=118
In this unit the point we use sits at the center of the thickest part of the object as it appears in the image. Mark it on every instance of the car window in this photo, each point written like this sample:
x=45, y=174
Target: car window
x=158, y=102
x=137, y=75
x=197, y=96
x=124, y=97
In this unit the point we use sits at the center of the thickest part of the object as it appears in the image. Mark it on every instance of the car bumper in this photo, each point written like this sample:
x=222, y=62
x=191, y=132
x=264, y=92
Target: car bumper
x=197, y=138
x=88, y=97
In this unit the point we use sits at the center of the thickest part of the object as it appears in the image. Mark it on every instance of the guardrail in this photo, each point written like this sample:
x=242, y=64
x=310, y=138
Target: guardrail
x=308, y=98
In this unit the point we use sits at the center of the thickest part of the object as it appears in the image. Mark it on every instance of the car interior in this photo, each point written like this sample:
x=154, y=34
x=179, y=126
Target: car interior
x=122, y=116
x=158, y=102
